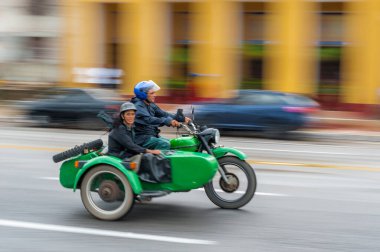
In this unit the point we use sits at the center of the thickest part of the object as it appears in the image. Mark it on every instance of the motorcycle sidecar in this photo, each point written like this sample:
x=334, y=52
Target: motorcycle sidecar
x=109, y=185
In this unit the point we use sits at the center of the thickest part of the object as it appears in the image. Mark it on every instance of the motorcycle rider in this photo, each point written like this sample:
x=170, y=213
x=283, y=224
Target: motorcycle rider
x=121, y=139
x=121, y=143
x=149, y=117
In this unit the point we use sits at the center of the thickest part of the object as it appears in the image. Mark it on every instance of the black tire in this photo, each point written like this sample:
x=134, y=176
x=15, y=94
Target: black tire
x=251, y=183
x=90, y=186
x=96, y=144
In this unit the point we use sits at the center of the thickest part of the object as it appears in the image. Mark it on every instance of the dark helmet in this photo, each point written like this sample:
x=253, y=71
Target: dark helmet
x=141, y=89
x=127, y=106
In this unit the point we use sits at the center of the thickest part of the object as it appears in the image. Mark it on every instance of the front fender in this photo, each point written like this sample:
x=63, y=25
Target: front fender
x=221, y=151
x=112, y=161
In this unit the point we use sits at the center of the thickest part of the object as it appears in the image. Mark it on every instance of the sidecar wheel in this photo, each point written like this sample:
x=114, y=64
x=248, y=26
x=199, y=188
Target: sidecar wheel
x=106, y=193
x=240, y=189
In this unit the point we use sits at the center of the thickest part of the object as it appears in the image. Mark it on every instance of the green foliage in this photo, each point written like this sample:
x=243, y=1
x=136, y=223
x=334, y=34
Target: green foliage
x=176, y=83
x=328, y=89
x=330, y=53
x=253, y=51
x=251, y=84
x=179, y=55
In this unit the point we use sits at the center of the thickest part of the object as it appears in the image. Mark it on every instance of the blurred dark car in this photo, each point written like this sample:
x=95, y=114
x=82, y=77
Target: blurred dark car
x=72, y=108
x=270, y=113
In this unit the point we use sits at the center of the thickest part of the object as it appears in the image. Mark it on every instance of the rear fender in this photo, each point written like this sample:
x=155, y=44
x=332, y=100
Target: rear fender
x=115, y=162
x=222, y=151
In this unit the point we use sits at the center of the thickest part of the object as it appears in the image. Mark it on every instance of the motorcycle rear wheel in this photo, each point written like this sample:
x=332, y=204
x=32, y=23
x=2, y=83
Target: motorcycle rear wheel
x=228, y=195
x=106, y=193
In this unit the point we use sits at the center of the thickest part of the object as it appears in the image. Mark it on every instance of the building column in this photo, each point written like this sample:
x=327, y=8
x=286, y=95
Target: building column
x=82, y=39
x=145, y=42
x=215, y=45
x=290, y=60
x=361, y=56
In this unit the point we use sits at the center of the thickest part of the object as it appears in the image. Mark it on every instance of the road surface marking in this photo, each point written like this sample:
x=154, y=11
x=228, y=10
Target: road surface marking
x=50, y=178
x=297, y=151
x=256, y=193
x=321, y=166
x=101, y=232
x=37, y=148
x=22, y=147
x=271, y=194
x=307, y=165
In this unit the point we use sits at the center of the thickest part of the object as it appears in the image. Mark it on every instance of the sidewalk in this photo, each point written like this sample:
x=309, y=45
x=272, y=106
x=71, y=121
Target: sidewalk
x=328, y=125
x=340, y=125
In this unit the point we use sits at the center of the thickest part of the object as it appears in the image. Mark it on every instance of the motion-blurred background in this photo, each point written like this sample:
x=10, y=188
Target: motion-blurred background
x=270, y=66
x=195, y=50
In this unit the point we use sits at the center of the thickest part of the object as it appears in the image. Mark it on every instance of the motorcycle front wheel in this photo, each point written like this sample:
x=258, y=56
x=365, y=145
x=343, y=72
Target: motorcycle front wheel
x=241, y=186
x=106, y=193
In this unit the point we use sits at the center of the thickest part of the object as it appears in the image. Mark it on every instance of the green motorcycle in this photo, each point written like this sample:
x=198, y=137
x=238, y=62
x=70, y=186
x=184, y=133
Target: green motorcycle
x=110, y=186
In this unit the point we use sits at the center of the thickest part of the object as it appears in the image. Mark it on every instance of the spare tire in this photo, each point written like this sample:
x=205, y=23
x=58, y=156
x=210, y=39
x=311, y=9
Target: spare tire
x=96, y=144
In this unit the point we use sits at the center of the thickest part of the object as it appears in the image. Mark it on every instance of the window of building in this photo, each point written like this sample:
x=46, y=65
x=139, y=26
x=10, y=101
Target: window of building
x=331, y=43
x=42, y=7
x=41, y=49
x=179, y=52
x=253, y=45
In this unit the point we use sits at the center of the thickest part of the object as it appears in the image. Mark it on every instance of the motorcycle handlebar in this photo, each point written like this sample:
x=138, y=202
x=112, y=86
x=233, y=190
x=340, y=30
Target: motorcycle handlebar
x=182, y=125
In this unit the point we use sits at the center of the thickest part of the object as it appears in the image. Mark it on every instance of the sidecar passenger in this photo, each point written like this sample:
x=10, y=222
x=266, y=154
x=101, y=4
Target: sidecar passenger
x=121, y=144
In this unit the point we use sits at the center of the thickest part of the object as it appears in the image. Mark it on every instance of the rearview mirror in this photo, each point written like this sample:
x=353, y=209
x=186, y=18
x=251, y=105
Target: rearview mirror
x=179, y=116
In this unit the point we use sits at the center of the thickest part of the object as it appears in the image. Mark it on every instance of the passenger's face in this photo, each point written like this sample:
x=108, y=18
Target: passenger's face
x=151, y=96
x=129, y=117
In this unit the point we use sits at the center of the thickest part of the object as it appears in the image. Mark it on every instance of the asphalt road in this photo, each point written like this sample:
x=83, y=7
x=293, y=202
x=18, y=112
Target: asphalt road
x=311, y=196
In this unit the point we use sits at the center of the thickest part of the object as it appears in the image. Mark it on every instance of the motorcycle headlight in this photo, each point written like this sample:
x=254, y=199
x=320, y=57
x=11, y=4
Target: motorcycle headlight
x=211, y=135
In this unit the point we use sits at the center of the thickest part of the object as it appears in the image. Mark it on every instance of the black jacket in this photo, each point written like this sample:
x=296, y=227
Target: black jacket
x=148, y=119
x=121, y=142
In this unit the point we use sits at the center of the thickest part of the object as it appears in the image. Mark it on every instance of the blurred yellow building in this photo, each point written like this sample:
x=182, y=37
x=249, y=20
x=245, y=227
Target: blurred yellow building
x=324, y=48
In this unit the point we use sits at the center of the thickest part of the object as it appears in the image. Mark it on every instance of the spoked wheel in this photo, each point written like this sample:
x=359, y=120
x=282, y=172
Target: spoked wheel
x=240, y=188
x=106, y=193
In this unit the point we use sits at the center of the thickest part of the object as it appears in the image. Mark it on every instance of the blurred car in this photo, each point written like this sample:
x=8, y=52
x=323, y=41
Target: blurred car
x=72, y=107
x=267, y=112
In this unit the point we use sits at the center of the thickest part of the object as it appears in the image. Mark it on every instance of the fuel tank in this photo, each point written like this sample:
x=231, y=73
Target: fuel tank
x=184, y=143
x=190, y=170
